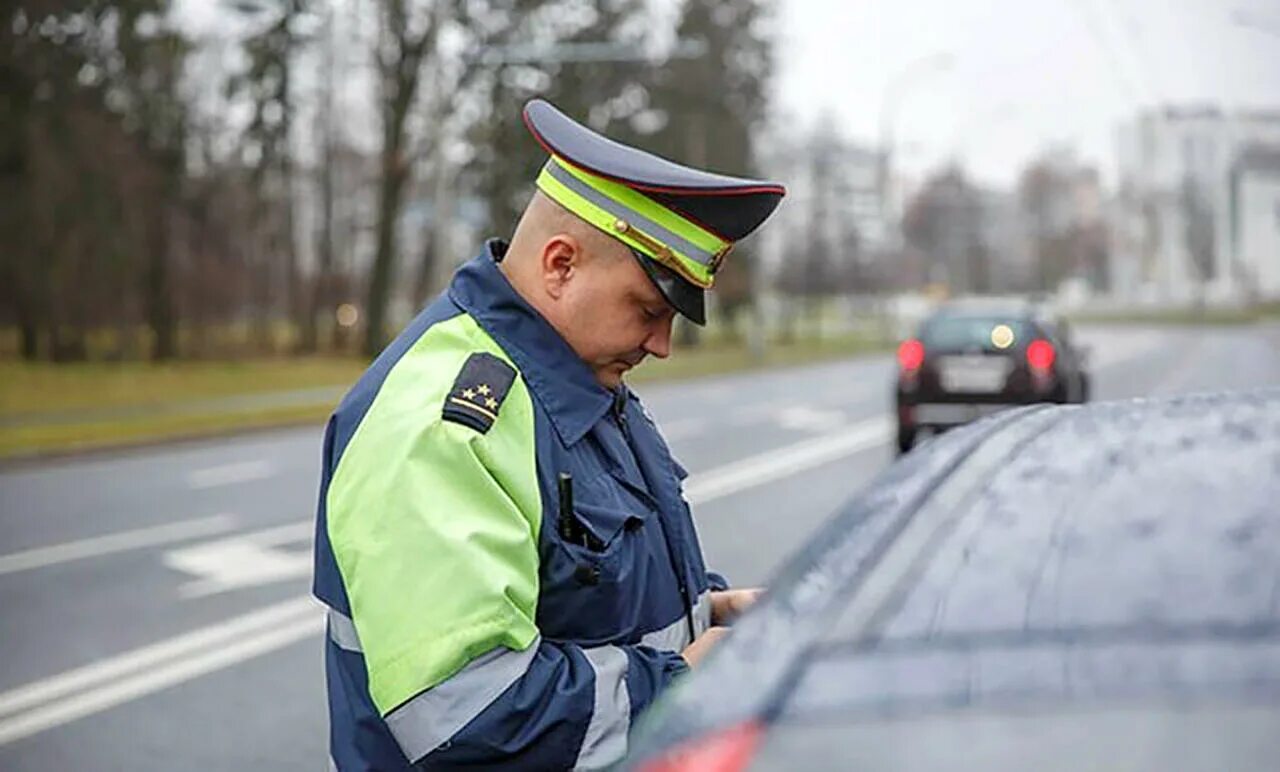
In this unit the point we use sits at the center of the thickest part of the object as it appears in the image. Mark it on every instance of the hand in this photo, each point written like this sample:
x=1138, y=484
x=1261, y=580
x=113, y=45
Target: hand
x=728, y=605
x=694, y=652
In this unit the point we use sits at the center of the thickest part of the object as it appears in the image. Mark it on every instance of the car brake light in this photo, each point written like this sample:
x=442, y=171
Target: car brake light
x=910, y=354
x=1040, y=354
x=728, y=750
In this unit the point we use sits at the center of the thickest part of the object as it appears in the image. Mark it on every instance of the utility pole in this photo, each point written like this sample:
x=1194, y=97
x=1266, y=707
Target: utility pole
x=894, y=94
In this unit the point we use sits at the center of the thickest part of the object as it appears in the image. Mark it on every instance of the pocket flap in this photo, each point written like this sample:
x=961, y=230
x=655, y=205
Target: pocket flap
x=605, y=523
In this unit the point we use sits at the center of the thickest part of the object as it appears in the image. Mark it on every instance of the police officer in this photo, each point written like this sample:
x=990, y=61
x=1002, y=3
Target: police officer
x=510, y=568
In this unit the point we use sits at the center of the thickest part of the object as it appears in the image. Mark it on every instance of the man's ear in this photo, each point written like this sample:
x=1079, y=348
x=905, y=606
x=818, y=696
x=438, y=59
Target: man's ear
x=561, y=258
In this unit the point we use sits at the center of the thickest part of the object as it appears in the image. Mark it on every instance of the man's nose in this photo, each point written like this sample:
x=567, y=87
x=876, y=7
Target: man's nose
x=658, y=343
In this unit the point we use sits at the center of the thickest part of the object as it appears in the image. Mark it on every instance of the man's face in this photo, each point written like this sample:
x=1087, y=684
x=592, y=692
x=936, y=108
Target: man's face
x=614, y=315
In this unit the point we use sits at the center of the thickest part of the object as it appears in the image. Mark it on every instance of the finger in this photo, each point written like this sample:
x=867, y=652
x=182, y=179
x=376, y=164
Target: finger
x=744, y=599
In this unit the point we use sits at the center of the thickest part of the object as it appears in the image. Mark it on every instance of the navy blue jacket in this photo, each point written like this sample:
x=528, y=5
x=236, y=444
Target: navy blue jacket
x=588, y=630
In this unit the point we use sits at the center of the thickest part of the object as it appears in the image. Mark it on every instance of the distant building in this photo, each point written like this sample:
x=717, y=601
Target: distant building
x=832, y=213
x=1195, y=210
x=1254, y=226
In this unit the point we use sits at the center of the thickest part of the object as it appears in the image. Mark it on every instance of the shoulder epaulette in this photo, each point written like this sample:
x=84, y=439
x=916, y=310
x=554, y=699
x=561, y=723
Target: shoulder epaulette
x=478, y=391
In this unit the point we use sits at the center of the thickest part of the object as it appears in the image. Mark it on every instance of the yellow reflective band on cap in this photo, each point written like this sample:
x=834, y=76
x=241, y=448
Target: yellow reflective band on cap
x=636, y=220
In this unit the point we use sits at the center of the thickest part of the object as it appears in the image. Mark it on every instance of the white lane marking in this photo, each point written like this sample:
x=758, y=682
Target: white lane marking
x=745, y=416
x=1111, y=348
x=84, y=682
x=243, y=561
x=121, y=541
x=230, y=474
x=102, y=685
x=809, y=419
x=674, y=430
x=783, y=462
x=170, y=673
x=162, y=677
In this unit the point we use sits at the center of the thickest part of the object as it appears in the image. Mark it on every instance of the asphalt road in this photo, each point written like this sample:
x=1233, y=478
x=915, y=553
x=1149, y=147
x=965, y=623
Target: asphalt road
x=155, y=612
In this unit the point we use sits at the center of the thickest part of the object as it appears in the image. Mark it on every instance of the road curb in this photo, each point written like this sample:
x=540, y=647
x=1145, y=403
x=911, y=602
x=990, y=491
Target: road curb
x=42, y=457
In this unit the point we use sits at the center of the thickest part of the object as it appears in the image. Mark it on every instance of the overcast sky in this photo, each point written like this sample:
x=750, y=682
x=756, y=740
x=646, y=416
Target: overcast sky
x=1022, y=73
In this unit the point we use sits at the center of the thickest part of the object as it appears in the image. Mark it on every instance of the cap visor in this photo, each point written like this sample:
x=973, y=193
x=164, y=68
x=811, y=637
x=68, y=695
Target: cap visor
x=687, y=299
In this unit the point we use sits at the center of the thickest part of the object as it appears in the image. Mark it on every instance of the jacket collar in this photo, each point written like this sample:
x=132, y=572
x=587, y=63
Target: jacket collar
x=558, y=377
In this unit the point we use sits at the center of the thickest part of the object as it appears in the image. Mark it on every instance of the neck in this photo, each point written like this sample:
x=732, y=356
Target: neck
x=516, y=268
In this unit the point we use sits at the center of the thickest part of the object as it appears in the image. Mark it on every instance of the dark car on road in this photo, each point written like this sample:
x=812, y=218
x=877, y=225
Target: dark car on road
x=1049, y=588
x=973, y=358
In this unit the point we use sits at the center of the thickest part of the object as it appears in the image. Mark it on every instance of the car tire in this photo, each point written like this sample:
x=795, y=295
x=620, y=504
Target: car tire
x=906, y=439
x=1083, y=393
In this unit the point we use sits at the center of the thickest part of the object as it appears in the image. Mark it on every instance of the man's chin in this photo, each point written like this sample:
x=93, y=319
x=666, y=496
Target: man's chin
x=611, y=376
x=619, y=372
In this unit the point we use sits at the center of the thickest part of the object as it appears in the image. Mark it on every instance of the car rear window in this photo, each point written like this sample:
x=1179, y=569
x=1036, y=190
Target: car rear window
x=988, y=332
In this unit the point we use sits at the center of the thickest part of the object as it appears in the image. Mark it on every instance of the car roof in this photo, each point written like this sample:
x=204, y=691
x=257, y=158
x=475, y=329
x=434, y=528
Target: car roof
x=1009, y=309
x=1134, y=540
x=972, y=306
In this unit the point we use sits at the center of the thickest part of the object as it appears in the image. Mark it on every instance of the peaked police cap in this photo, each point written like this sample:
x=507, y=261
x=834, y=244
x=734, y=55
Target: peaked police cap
x=679, y=222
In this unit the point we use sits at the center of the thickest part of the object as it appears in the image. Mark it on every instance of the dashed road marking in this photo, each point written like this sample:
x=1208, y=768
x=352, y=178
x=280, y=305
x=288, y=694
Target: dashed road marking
x=783, y=462
x=243, y=561
x=122, y=541
x=230, y=474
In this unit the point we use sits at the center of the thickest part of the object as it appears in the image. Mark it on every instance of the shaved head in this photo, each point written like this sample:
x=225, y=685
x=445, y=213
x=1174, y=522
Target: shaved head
x=544, y=218
x=587, y=285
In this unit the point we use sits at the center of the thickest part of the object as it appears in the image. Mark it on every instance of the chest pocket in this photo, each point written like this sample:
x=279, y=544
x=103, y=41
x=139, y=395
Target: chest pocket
x=594, y=588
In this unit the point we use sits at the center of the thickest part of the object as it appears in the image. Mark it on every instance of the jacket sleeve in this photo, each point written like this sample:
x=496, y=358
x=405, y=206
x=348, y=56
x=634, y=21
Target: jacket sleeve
x=435, y=533
x=715, y=580
x=570, y=708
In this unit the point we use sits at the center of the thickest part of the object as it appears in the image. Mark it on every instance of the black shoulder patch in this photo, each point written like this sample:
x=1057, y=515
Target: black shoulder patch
x=478, y=391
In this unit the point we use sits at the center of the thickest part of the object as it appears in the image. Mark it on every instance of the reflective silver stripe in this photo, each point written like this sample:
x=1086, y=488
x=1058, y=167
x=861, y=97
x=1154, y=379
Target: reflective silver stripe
x=675, y=636
x=606, y=738
x=424, y=722
x=342, y=631
x=670, y=238
x=702, y=614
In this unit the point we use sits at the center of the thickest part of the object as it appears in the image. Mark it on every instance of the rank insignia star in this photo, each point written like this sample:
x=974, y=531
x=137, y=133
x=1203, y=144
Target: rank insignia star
x=478, y=391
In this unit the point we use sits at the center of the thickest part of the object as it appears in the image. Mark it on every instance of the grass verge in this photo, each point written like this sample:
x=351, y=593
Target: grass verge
x=721, y=358
x=56, y=439
x=1186, y=316
x=29, y=389
x=53, y=409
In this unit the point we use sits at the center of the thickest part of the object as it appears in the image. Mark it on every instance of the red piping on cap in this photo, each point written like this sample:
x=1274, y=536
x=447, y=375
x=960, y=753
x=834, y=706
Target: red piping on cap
x=778, y=189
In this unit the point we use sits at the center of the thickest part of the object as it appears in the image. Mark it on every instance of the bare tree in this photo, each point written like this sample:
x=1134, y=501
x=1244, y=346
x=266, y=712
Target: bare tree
x=319, y=297
x=94, y=141
x=944, y=221
x=268, y=84
x=405, y=38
